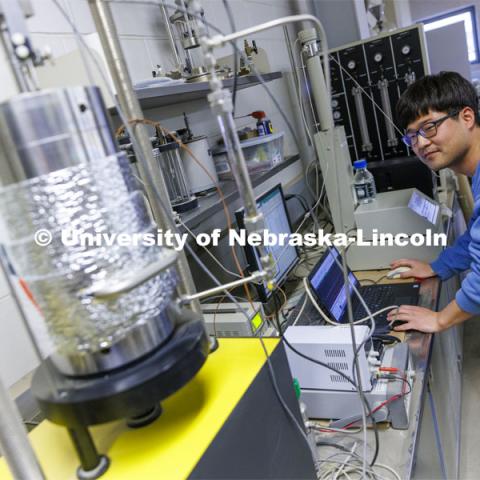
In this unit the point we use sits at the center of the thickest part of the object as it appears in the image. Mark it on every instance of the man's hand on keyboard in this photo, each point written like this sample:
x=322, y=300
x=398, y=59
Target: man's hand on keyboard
x=415, y=318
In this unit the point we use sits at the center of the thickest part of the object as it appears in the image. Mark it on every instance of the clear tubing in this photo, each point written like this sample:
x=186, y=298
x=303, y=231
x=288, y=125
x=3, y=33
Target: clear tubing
x=392, y=140
x=362, y=120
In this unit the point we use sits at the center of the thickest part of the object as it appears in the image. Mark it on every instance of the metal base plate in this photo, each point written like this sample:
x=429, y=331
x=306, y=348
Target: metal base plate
x=126, y=392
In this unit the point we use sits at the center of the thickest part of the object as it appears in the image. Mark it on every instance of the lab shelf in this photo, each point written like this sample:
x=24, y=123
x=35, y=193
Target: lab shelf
x=187, y=92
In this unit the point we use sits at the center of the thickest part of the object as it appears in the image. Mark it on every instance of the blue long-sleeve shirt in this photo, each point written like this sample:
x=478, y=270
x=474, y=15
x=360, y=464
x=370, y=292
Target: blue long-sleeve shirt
x=464, y=254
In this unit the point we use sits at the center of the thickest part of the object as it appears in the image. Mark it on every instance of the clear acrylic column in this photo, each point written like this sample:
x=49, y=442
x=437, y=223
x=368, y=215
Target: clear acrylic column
x=65, y=178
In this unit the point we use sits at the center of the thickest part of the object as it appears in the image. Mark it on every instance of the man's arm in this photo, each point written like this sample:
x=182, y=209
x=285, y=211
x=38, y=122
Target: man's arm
x=454, y=259
x=467, y=299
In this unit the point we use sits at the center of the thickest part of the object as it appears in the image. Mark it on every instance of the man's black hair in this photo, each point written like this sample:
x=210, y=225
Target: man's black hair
x=444, y=92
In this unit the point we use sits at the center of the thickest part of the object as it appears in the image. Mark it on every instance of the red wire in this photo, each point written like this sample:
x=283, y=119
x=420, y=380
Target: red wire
x=386, y=402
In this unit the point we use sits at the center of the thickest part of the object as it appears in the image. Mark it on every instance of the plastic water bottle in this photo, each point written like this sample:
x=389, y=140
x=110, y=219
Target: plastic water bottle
x=363, y=182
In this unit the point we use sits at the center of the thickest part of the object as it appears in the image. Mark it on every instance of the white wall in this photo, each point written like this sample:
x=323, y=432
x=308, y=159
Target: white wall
x=145, y=44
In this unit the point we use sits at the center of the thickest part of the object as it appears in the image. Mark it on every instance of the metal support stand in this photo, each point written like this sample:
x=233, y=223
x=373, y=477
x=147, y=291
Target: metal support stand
x=117, y=67
x=93, y=465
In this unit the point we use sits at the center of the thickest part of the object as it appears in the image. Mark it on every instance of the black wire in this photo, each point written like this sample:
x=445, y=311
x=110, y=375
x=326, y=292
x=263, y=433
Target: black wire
x=301, y=200
x=321, y=443
x=235, y=55
x=338, y=372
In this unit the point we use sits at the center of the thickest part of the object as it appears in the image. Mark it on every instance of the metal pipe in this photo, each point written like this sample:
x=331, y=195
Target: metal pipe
x=14, y=444
x=238, y=163
x=171, y=38
x=221, y=104
x=221, y=40
x=105, y=26
x=223, y=288
x=296, y=76
x=320, y=94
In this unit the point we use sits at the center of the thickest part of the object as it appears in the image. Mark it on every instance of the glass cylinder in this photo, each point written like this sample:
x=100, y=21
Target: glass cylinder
x=171, y=164
x=65, y=177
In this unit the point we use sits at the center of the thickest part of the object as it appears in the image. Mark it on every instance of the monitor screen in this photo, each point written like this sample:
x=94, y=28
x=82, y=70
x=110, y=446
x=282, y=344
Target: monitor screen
x=326, y=280
x=273, y=207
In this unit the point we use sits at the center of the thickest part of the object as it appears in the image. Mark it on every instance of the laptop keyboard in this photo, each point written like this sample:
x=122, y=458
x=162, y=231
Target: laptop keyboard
x=376, y=298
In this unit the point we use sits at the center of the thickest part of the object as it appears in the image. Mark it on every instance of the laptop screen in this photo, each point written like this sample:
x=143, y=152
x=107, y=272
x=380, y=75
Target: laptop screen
x=326, y=280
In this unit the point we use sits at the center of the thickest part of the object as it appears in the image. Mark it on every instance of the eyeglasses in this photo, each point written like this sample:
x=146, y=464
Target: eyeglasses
x=428, y=130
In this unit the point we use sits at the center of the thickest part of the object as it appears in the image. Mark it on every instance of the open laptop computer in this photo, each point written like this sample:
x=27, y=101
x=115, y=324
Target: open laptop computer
x=326, y=284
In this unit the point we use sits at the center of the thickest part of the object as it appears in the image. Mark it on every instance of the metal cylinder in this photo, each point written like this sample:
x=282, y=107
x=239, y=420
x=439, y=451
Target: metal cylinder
x=179, y=191
x=45, y=131
x=320, y=94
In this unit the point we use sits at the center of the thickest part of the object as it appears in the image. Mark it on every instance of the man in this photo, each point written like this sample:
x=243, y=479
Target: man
x=440, y=115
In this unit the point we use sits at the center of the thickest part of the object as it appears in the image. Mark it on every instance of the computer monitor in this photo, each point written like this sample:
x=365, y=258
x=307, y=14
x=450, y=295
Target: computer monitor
x=327, y=281
x=274, y=209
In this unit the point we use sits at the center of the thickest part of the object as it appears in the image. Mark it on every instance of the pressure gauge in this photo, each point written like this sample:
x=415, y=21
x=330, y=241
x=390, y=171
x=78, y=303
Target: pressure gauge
x=378, y=57
x=334, y=103
x=406, y=49
x=351, y=64
x=336, y=115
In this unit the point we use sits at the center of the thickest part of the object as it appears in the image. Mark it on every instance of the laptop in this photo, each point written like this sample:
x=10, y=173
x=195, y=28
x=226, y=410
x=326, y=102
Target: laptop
x=326, y=285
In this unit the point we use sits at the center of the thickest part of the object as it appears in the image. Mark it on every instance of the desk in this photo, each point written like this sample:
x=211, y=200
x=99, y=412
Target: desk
x=430, y=448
